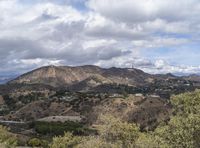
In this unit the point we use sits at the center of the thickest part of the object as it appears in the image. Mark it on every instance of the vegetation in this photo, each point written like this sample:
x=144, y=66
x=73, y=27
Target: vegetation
x=58, y=128
x=35, y=142
x=182, y=130
x=67, y=141
x=7, y=140
x=112, y=133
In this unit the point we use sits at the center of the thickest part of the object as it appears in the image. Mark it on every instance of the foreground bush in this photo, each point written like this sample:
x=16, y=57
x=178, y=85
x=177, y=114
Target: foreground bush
x=96, y=142
x=116, y=131
x=35, y=142
x=67, y=141
x=7, y=140
x=183, y=129
x=180, y=132
x=187, y=103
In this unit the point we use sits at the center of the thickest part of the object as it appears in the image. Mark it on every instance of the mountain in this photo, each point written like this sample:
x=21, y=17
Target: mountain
x=61, y=76
x=6, y=78
x=90, y=78
x=166, y=76
x=193, y=77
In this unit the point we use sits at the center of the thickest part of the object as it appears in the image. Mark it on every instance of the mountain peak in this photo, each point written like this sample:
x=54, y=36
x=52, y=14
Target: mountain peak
x=66, y=75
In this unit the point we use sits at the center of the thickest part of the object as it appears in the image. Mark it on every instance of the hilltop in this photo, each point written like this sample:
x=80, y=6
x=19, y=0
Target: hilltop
x=90, y=78
x=65, y=76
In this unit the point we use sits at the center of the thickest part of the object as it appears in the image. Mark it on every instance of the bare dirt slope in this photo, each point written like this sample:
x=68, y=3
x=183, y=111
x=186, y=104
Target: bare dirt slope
x=65, y=75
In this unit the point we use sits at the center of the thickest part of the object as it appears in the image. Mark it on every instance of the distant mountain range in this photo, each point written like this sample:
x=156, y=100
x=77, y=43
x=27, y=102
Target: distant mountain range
x=5, y=78
x=66, y=76
x=111, y=80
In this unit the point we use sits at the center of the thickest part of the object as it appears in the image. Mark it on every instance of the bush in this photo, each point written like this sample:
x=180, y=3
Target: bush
x=187, y=103
x=7, y=139
x=96, y=142
x=183, y=129
x=117, y=131
x=67, y=141
x=35, y=142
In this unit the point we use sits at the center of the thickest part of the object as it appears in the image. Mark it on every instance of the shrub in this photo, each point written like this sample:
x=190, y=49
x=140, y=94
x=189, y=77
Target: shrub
x=66, y=141
x=116, y=131
x=35, y=142
x=180, y=132
x=7, y=139
x=187, y=103
x=96, y=142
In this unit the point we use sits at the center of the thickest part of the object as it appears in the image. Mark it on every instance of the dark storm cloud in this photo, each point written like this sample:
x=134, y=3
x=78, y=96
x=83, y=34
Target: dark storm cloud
x=20, y=48
x=26, y=49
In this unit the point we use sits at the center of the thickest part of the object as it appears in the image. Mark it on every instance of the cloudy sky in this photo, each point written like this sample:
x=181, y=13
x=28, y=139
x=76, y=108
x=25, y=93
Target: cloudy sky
x=158, y=36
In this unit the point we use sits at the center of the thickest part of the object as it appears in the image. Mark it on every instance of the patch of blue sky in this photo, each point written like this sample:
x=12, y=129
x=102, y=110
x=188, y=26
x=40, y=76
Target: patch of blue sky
x=173, y=35
x=29, y=2
x=80, y=5
x=187, y=54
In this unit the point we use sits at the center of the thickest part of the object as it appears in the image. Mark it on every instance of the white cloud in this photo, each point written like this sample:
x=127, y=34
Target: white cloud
x=145, y=10
x=97, y=43
x=159, y=42
x=107, y=33
x=153, y=67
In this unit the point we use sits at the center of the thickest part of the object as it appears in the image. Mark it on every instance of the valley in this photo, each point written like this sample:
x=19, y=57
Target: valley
x=47, y=101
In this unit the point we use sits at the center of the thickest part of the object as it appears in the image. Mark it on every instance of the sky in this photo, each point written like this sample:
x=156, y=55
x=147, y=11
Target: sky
x=157, y=36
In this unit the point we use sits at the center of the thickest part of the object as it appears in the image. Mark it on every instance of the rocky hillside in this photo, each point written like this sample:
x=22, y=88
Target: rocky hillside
x=147, y=111
x=111, y=80
x=193, y=77
x=66, y=76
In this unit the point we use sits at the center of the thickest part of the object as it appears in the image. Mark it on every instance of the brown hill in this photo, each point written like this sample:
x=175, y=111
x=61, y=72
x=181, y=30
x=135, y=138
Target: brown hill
x=66, y=76
x=193, y=77
x=147, y=111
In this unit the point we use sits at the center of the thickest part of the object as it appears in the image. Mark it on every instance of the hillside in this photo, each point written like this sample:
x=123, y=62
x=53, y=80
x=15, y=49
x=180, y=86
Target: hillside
x=147, y=111
x=91, y=78
x=59, y=76
x=72, y=99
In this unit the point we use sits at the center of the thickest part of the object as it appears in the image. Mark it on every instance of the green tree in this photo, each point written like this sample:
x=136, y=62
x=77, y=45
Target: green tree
x=187, y=103
x=180, y=132
x=115, y=130
x=183, y=129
